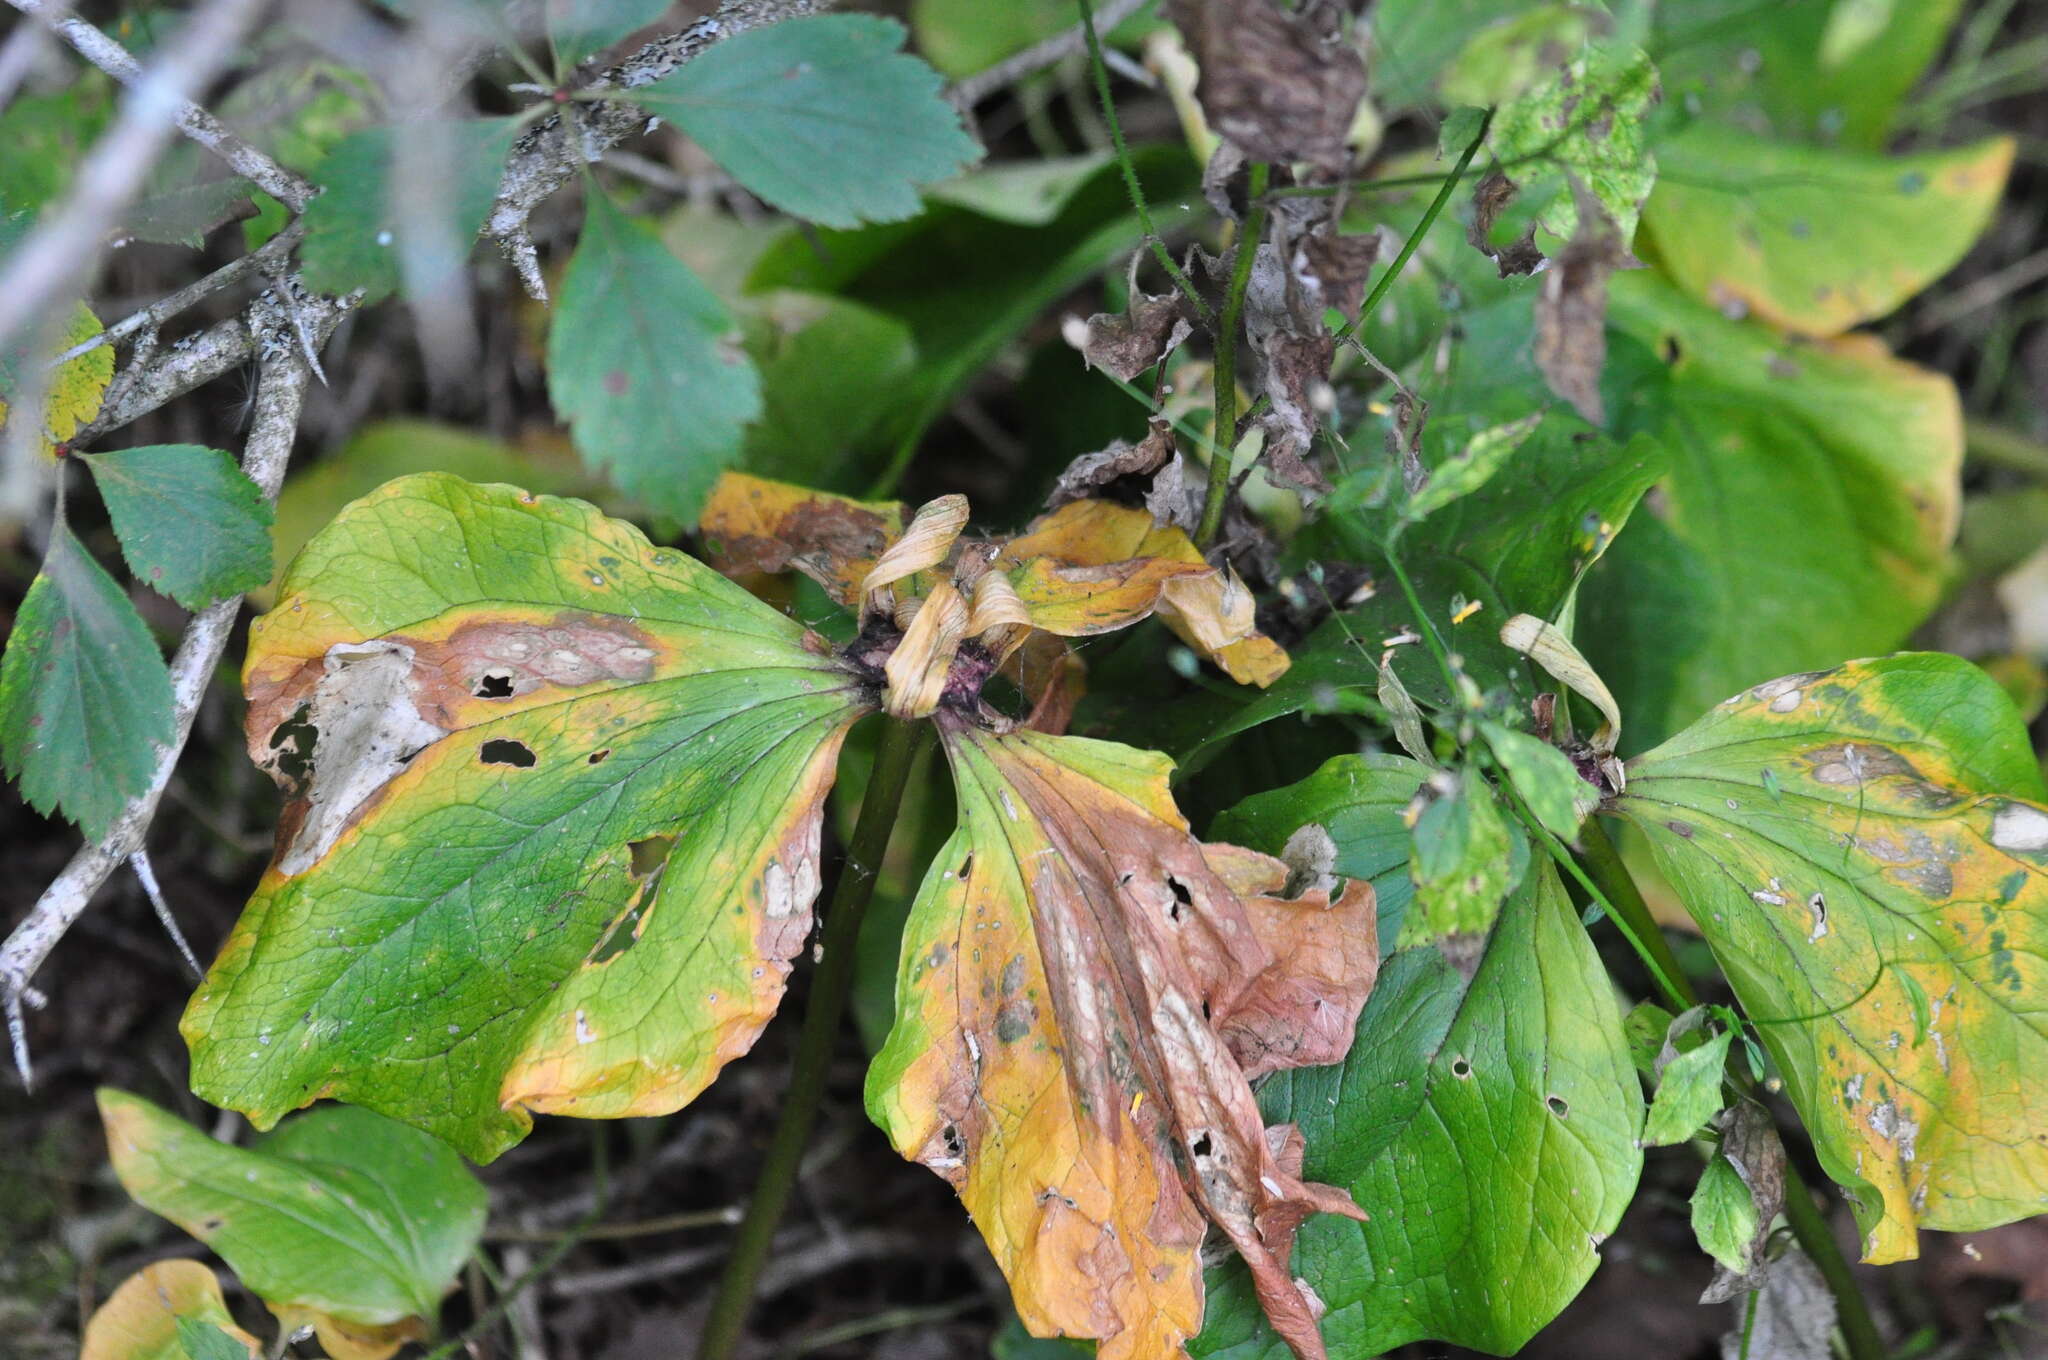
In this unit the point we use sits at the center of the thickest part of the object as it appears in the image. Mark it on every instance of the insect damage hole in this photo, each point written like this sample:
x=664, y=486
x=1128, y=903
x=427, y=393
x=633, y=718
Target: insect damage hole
x=598, y=757
x=1559, y=1106
x=1200, y=1144
x=1461, y=1068
x=1181, y=898
x=494, y=685
x=503, y=751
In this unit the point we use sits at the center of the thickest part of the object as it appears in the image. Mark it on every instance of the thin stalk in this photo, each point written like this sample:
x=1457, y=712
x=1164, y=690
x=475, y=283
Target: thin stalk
x=1624, y=902
x=900, y=745
x=1810, y=1226
x=1130, y=171
x=1226, y=360
x=1429, y=216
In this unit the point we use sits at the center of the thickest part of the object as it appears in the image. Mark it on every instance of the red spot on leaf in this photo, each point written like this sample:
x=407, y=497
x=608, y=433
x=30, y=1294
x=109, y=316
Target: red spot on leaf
x=616, y=382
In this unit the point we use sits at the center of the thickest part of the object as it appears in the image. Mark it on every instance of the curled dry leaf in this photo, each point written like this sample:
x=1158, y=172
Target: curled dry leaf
x=1571, y=309
x=754, y=527
x=1274, y=82
x=1085, y=994
x=1283, y=319
x=1490, y=197
x=559, y=838
x=1749, y=1142
x=1128, y=345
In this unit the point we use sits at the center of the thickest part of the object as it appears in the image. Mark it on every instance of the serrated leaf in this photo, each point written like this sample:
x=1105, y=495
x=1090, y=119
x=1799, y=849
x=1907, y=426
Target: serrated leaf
x=1893, y=847
x=1084, y=994
x=85, y=701
x=340, y=1214
x=1688, y=1092
x=1486, y=1119
x=644, y=365
x=1545, y=778
x=559, y=841
x=821, y=116
x=192, y=526
x=1812, y=494
x=1816, y=241
x=182, y=214
x=358, y=231
x=1724, y=1217
x=155, y=1309
x=1586, y=123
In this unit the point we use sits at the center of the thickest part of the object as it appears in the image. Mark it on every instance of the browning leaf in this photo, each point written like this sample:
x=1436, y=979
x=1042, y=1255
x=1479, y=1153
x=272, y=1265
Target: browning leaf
x=752, y=526
x=1571, y=311
x=1091, y=472
x=1489, y=197
x=1128, y=345
x=1085, y=994
x=1274, y=82
x=1284, y=325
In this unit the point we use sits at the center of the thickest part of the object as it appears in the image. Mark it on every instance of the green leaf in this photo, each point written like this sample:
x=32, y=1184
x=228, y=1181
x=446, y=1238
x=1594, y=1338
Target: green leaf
x=1809, y=240
x=1806, y=517
x=1764, y=66
x=1470, y=467
x=1502, y=61
x=1415, y=40
x=1545, y=778
x=559, y=838
x=342, y=1212
x=191, y=524
x=582, y=28
x=643, y=365
x=1587, y=123
x=182, y=214
x=85, y=701
x=1688, y=1093
x=361, y=231
x=1030, y=193
x=1645, y=1027
x=1724, y=1216
x=1486, y=1119
x=1466, y=860
x=1358, y=802
x=828, y=376
x=1893, y=846
x=202, y=1340
x=821, y=116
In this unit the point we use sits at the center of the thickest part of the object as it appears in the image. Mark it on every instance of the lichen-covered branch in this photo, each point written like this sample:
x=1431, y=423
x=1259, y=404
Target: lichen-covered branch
x=270, y=331
x=555, y=149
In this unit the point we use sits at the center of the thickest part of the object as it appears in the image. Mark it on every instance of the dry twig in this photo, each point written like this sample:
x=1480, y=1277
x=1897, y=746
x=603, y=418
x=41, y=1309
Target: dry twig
x=968, y=91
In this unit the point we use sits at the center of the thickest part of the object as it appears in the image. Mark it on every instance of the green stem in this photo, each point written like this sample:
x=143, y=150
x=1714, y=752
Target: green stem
x=1986, y=442
x=1130, y=171
x=1225, y=445
x=1429, y=216
x=1624, y=902
x=1810, y=1226
x=901, y=743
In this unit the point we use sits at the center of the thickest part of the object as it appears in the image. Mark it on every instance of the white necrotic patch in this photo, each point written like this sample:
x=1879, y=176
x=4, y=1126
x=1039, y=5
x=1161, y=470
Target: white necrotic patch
x=2020, y=826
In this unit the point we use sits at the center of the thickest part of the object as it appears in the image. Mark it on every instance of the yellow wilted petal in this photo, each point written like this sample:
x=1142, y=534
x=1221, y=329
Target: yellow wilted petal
x=139, y=1321
x=917, y=669
x=924, y=545
x=1553, y=651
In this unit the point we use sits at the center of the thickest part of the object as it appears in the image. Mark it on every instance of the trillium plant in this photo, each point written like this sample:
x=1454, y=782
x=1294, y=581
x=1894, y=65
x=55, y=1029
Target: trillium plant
x=1316, y=772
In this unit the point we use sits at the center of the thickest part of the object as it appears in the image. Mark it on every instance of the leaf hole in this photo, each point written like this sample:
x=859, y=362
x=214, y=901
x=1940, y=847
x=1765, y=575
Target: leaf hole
x=966, y=868
x=1181, y=898
x=1461, y=1068
x=1200, y=1145
x=494, y=685
x=649, y=854
x=956, y=1146
x=1670, y=351
x=501, y=751
x=598, y=757
x=1559, y=1106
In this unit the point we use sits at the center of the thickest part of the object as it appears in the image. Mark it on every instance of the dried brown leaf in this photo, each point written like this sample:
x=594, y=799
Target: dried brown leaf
x=1280, y=86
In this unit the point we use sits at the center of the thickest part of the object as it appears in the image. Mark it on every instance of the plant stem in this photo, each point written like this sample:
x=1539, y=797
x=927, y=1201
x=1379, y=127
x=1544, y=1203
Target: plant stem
x=1429, y=216
x=900, y=745
x=1625, y=903
x=1810, y=1226
x=1130, y=171
x=1224, y=447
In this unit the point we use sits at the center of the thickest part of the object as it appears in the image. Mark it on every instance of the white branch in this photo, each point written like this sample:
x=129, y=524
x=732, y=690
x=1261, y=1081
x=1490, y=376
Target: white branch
x=46, y=269
x=280, y=393
x=968, y=91
x=202, y=127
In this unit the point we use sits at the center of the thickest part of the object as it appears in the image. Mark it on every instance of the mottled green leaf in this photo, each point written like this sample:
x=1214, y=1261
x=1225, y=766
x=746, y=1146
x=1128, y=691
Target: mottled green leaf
x=342, y=1212
x=1890, y=844
x=1471, y=467
x=1814, y=241
x=1545, y=778
x=558, y=841
x=1486, y=1119
x=191, y=524
x=1811, y=498
x=644, y=364
x=1587, y=123
x=1465, y=862
x=1688, y=1092
x=359, y=231
x=821, y=116
x=1503, y=60
x=1724, y=1215
x=85, y=701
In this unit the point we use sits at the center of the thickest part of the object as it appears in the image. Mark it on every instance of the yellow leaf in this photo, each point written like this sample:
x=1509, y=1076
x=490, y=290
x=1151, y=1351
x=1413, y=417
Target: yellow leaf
x=78, y=386
x=752, y=526
x=140, y=1320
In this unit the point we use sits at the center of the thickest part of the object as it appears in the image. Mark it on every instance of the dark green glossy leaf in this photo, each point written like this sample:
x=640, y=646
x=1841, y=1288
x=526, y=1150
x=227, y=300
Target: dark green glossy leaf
x=821, y=116
x=644, y=365
x=191, y=524
x=85, y=701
